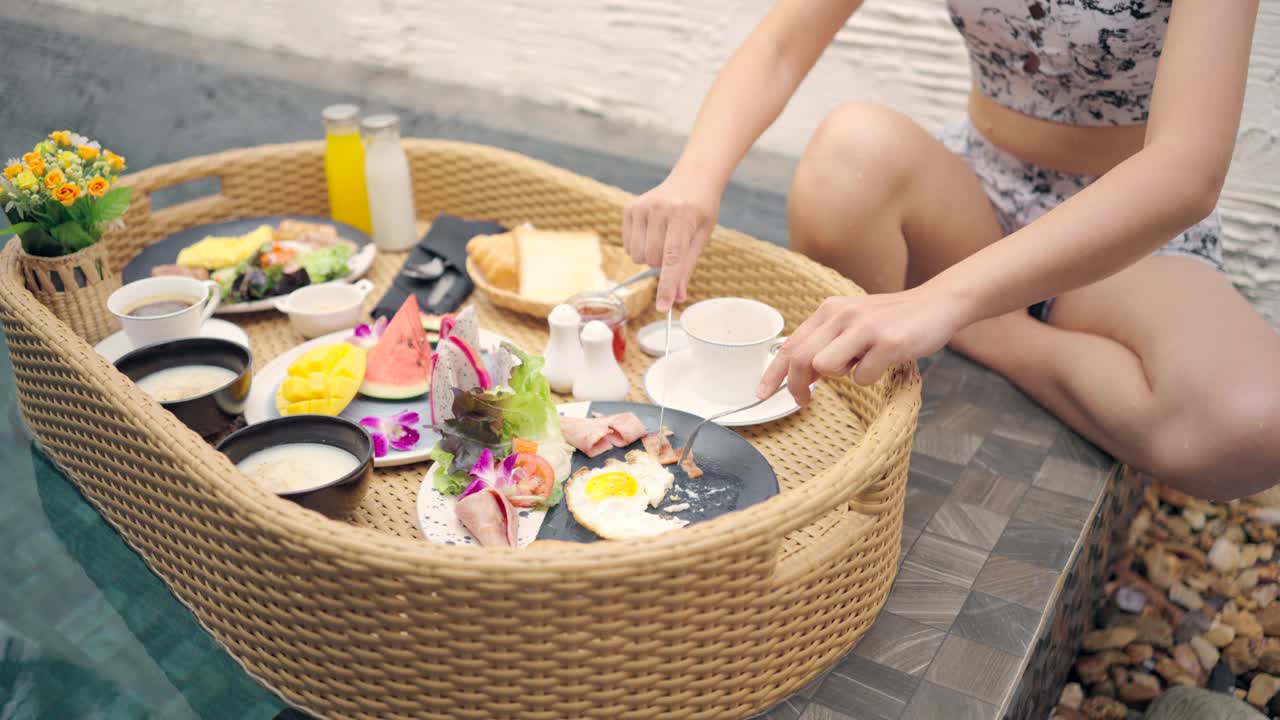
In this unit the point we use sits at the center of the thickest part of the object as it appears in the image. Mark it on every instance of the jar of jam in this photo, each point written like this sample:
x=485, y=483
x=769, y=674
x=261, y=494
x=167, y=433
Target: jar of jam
x=609, y=309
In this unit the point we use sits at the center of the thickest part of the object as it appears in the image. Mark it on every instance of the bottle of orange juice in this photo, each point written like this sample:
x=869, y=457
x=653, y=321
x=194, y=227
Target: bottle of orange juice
x=344, y=166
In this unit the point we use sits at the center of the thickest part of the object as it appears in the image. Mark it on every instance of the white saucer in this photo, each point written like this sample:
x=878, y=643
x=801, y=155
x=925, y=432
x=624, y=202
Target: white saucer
x=115, y=346
x=683, y=394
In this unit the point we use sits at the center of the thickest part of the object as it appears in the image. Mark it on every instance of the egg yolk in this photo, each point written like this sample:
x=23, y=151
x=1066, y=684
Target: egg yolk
x=611, y=484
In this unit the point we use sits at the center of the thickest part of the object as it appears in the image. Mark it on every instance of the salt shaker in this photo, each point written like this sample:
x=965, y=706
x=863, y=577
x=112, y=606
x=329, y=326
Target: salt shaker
x=599, y=378
x=563, y=354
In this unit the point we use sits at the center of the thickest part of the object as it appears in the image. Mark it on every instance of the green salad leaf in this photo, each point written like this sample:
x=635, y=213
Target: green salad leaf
x=328, y=263
x=446, y=481
x=530, y=411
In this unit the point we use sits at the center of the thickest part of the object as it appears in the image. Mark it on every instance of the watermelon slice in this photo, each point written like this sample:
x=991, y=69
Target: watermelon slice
x=399, y=366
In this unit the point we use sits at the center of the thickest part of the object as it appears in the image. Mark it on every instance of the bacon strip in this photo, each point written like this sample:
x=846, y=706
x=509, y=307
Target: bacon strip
x=589, y=435
x=179, y=271
x=659, y=446
x=690, y=468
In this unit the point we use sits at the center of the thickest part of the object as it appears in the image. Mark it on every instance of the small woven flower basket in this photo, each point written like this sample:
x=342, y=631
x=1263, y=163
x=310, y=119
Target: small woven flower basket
x=59, y=200
x=74, y=287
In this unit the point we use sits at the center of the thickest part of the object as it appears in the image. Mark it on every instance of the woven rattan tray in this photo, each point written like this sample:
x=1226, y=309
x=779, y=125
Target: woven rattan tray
x=366, y=619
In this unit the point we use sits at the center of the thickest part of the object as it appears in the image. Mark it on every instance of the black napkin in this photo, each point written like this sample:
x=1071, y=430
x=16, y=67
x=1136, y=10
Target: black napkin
x=447, y=240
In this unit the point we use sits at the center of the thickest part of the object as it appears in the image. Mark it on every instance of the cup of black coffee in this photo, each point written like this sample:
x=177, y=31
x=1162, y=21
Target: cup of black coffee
x=159, y=309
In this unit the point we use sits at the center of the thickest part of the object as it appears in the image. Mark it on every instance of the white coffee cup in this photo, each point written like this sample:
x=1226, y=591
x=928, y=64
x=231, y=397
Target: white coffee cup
x=731, y=340
x=142, y=329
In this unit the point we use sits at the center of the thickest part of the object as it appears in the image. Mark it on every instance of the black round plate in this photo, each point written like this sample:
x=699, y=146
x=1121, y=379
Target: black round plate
x=166, y=251
x=735, y=474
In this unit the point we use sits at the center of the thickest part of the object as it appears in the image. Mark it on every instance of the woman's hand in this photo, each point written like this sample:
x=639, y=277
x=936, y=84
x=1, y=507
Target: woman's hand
x=667, y=228
x=867, y=334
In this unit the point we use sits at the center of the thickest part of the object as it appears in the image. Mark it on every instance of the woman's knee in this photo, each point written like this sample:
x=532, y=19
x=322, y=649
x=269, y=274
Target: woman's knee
x=854, y=166
x=1225, y=448
x=857, y=146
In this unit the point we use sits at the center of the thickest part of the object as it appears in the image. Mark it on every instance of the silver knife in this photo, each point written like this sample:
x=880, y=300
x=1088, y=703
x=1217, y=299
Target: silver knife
x=442, y=286
x=666, y=374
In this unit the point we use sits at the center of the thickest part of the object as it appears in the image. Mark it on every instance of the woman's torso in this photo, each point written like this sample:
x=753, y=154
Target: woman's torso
x=1064, y=84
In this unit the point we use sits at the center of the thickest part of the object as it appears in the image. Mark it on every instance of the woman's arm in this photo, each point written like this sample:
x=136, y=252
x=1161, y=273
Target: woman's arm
x=1142, y=203
x=668, y=226
x=756, y=83
x=1145, y=201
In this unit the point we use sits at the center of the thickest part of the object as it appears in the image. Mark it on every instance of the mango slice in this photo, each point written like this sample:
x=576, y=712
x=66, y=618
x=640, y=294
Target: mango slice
x=323, y=381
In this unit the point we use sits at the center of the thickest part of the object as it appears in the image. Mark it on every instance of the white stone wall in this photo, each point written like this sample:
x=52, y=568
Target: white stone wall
x=649, y=62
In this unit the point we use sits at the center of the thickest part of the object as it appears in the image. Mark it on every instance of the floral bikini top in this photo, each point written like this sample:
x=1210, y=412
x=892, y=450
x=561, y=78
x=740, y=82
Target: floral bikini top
x=1079, y=62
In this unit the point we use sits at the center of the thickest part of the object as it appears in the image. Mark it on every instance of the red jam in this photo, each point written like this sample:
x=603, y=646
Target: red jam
x=608, y=309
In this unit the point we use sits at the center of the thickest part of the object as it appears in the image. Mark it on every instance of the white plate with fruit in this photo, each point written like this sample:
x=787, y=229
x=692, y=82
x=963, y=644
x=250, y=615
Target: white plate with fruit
x=378, y=376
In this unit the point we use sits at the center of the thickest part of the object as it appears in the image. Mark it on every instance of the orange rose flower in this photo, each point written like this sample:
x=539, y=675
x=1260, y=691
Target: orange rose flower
x=98, y=187
x=67, y=194
x=11, y=171
x=116, y=162
x=87, y=152
x=36, y=165
x=62, y=137
x=30, y=157
x=54, y=179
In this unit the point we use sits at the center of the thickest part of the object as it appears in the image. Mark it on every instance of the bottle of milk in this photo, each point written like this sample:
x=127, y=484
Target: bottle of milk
x=390, y=188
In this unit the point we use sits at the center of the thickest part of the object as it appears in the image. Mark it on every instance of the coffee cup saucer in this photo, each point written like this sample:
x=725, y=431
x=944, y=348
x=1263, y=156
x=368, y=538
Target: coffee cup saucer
x=679, y=369
x=115, y=346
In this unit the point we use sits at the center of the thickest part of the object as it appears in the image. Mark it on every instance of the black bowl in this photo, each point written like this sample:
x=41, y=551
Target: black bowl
x=209, y=414
x=335, y=498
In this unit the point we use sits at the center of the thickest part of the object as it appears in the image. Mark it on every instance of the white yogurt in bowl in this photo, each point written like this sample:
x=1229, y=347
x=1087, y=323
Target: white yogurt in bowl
x=295, y=467
x=183, y=382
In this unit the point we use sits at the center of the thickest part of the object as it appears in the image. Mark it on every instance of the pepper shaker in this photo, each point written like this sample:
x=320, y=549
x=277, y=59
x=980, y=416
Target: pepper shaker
x=563, y=354
x=599, y=378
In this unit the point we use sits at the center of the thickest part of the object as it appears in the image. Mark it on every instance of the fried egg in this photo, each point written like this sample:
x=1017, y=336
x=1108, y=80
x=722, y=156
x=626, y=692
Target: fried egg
x=611, y=500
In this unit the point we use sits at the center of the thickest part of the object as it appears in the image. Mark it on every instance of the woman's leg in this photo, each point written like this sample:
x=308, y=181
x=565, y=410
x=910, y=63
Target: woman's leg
x=1164, y=365
x=878, y=198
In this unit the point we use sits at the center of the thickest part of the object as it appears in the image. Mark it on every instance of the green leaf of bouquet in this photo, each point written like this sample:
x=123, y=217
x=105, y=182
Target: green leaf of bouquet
x=112, y=204
x=18, y=228
x=73, y=236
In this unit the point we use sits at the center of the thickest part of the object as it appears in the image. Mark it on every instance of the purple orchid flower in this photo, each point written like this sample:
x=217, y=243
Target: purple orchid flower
x=396, y=431
x=366, y=335
x=488, y=473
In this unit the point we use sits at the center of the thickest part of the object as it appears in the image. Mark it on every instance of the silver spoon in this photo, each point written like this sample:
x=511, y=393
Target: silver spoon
x=429, y=270
x=688, y=445
x=647, y=273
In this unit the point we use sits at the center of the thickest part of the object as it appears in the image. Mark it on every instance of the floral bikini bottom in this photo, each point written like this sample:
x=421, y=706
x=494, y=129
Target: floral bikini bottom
x=1021, y=192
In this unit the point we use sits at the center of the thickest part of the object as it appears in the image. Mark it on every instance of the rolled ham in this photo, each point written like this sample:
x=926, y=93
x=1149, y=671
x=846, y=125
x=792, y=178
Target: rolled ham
x=624, y=428
x=489, y=517
x=588, y=435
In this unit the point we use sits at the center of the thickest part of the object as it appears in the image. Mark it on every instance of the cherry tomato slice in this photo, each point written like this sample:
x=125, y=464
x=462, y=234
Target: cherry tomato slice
x=535, y=479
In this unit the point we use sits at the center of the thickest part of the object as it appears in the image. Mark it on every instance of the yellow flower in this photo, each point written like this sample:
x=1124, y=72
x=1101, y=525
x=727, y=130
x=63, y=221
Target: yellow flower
x=44, y=148
x=36, y=165
x=62, y=137
x=66, y=158
x=88, y=152
x=116, y=162
x=12, y=170
x=26, y=180
x=98, y=186
x=66, y=194
x=54, y=179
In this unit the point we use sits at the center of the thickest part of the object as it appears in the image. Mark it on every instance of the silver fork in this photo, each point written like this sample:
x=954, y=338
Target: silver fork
x=688, y=445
